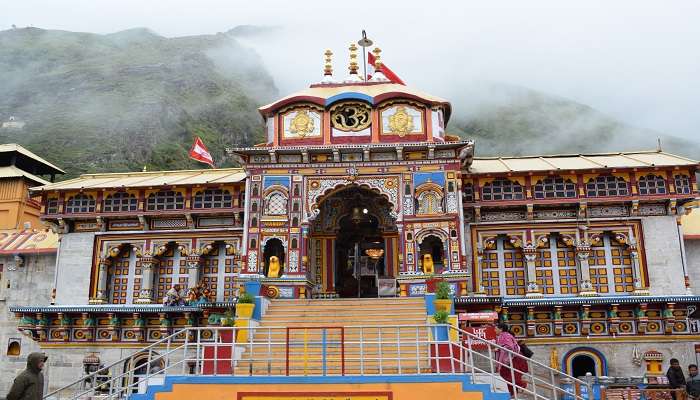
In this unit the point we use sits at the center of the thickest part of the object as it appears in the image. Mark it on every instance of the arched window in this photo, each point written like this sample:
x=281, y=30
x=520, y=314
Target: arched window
x=14, y=348
x=276, y=204
x=555, y=187
x=555, y=268
x=171, y=270
x=217, y=272
x=502, y=189
x=503, y=269
x=429, y=202
x=606, y=185
x=294, y=243
x=651, y=184
x=52, y=206
x=611, y=266
x=256, y=191
x=682, y=183
x=295, y=206
x=213, y=198
x=295, y=222
x=468, y=192
x=120, y=202
x=80, y=203
x=296, y=189
x=165, y=200
x=253, y=243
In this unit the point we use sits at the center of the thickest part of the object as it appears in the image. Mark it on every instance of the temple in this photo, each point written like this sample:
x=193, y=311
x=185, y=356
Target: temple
x=360, y=192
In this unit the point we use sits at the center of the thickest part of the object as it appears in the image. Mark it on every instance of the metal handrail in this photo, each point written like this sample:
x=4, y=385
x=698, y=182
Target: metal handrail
x=358, y=350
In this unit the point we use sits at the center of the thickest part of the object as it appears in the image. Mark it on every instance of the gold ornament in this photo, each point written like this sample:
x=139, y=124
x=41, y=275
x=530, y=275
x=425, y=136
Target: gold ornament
x=351, y=117
x=401, y=122
x=302, y=124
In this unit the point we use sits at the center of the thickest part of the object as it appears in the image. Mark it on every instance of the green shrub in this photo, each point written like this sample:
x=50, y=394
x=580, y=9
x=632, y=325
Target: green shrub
x=441, y=317
x=442, y=290
x=246, y=298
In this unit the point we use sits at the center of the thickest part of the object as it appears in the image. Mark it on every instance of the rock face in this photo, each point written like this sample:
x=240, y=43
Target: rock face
x=120, y=101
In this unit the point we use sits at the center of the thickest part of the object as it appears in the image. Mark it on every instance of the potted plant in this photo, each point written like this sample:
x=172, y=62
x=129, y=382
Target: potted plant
x=443, y=302
x=245, y=306
x=431, y=283
x=441, y=329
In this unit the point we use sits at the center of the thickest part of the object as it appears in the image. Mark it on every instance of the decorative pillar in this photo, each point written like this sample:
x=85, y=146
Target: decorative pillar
x=583, y=251
x=146, y=292
x=585, y=319
x=558, y=321
x=642, y=319
x=669, y=318
x=531, y=321
x=102, y=272
x=639, y=289
x=64, y=326
x=193, y=261
x=530, y=254
x=113, y=326
x=613, y=319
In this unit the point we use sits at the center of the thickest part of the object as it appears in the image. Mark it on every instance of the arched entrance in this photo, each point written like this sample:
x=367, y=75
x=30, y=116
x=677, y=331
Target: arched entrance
x=582, y=364
x=273, y=247
x=434, y=246
x=353, y=220
x=581, y=360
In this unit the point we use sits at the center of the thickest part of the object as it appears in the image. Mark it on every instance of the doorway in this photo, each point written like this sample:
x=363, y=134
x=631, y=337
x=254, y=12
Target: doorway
x=582, y=364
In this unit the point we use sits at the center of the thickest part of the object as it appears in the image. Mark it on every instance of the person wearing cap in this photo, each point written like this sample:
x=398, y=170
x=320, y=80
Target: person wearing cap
x=29, y=384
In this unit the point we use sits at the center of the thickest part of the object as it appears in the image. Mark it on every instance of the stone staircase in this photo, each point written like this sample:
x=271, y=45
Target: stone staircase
x=378, y=337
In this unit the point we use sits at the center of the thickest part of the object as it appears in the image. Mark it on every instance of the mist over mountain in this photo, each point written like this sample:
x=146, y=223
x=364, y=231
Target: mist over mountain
x=122, y=101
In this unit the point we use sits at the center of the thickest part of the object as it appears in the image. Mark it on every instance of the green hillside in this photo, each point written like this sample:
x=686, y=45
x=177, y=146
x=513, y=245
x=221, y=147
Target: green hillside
x=131, y=99
x=123, y=101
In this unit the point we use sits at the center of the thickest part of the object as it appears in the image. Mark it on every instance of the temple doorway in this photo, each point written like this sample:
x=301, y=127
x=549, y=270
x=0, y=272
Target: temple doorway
x=356, y=221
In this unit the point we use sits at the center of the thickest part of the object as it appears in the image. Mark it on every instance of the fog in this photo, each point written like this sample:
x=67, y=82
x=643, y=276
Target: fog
x=635, y=61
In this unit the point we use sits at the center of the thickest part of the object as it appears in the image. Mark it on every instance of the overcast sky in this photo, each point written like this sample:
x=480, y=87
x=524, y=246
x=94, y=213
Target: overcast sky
x=637, y=61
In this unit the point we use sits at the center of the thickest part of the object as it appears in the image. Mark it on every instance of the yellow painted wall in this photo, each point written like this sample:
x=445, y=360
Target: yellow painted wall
x=400, y=391
x=15, y=205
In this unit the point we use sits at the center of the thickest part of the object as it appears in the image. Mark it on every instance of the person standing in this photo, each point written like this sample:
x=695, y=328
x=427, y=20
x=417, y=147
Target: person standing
x=692, y=385
x=506, y=360
x=29, y=384
x=675, y=376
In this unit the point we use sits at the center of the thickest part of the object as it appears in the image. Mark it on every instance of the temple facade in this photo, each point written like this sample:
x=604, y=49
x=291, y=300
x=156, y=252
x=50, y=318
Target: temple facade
x=359, y=191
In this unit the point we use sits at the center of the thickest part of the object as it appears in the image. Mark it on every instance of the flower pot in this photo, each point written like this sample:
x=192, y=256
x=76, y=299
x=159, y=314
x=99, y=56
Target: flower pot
x=245, y=310
x=443, y=305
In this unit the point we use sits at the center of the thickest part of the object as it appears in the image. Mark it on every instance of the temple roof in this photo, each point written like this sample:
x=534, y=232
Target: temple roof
x=26, y=160
x=147, y=179
x=374, y=93
x=28, y=241
x=11, y=171
x=570, y=162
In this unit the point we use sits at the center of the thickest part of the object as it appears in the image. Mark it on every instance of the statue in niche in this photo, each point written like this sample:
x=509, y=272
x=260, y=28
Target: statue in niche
x=428, y=267
x=273, y=270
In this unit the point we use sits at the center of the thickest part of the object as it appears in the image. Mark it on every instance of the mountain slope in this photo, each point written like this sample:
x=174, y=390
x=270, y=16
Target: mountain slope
x=131, y=99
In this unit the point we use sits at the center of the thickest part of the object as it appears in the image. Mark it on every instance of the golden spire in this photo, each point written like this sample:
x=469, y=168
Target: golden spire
x=353, y=59
x=377, y=59
x=328, y=67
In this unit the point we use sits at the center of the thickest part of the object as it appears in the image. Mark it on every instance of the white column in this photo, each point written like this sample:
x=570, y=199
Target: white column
x=146, y=292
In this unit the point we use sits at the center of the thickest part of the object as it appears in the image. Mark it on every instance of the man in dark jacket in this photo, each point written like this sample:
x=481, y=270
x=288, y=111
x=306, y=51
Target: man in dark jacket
x=693, y=383
x=675, y=376
x=29, y=384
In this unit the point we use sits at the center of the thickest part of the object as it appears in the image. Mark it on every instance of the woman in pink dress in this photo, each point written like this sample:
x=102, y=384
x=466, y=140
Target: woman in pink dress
x=508, y=365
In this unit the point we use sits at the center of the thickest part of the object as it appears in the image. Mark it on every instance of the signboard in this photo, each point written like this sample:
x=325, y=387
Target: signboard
x=316, y=396
x=489, y=316
x=386, y=287
x=487, y=333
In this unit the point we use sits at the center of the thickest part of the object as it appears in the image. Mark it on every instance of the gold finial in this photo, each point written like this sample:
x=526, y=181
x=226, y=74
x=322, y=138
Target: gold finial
x=328, y=68
x=377, y=58
x=353, y=59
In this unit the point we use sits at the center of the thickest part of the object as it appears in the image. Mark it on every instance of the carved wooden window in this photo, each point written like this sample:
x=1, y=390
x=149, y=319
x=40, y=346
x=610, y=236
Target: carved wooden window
x=276, y=204
x=213, y=198
x=468, y=192
x=503, y=270
x=651, y=184
x=52, y=206
x=217, y=272
x=611, y=267
x=555, y=187
x=429, y=202
x=555, y=268
x=502, y=189
x=120, y=202
x=124, y=278
x=172, y=270
x=606, y=185
x=682, y=183
x=165, y=200
x=80, y=203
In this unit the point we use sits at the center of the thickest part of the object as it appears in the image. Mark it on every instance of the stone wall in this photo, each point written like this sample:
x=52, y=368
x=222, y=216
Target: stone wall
x=74, y=268
x=618, y=354
x=663, y=255
x=29, y=284
x=692, y=255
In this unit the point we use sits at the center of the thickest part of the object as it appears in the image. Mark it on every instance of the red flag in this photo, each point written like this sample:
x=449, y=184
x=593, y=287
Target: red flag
x=200, y=153
x=390, y=75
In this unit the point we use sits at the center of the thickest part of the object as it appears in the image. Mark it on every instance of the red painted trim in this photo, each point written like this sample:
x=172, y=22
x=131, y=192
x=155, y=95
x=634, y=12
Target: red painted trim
x=29, y=251
x=350, y=139
x=691, y=237
x=301, y=141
